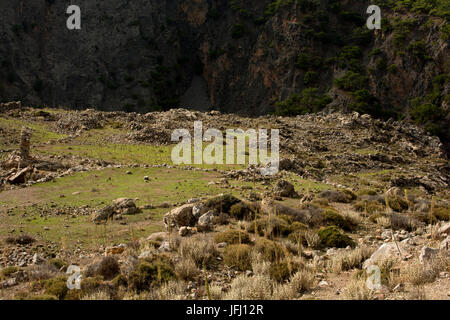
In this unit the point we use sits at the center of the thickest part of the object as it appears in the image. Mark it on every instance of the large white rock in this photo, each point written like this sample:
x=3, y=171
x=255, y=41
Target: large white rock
x=388, y=250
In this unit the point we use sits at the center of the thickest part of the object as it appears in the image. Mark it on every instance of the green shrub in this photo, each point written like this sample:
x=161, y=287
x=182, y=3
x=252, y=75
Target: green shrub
x=369, y=207
x=238, y=31
x=309, y=101
x=241, y=211
x=362, y=36
x=310, y=77
x=149, y=275
x=58, y=263
x=445, y=32
x=332, y=237
x=270, y=250
x=273, y=7
x=232, y=237
x=108, y=268
x=120, y=281
x=6, y=272
x=56, y=287
x=332, y=217
x=419, y=50
x=352, y=81
x=281, y=271
x=91, y=284
x=238, y=255
x=272, y=226
x=441, y=213
x=392, y=68
x=398, y=204
x=337, y=196
x=426, y=112
x=307, y=61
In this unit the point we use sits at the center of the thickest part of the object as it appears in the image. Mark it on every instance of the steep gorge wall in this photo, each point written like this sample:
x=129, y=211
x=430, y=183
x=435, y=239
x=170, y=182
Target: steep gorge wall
x=241, y=56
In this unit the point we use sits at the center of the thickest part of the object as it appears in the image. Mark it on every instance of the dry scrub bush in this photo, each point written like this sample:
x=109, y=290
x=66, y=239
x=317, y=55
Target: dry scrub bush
x=385, y=222
x=186, y=269
x=348, y=260
x=259, y=265
x=259, y=287
x=42, y=271
x=215, y=292
x=200, y=249
x=352, y=216
x=283, y=292
x=232, y=237
x=173, y=290
x=312, y=239
x=238, y=255
x=98, y=295
x=175, y=242
x=357, y=290
x=418, y=274
x=145, y=295
x=302, y=281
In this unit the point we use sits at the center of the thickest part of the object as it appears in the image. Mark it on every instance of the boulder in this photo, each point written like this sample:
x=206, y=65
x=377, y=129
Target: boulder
x=284, y=188
x=125, y=206
x=389, y=250
x=104, y=214
x=199, y=209
x=206, y=221
x=119, y=207
x=180, y=217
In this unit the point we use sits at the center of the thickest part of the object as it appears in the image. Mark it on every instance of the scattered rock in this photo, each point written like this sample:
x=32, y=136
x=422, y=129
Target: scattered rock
x=427, y=254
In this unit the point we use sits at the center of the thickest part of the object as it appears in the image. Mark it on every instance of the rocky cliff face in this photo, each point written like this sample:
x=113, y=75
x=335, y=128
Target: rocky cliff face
x=235, y=56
